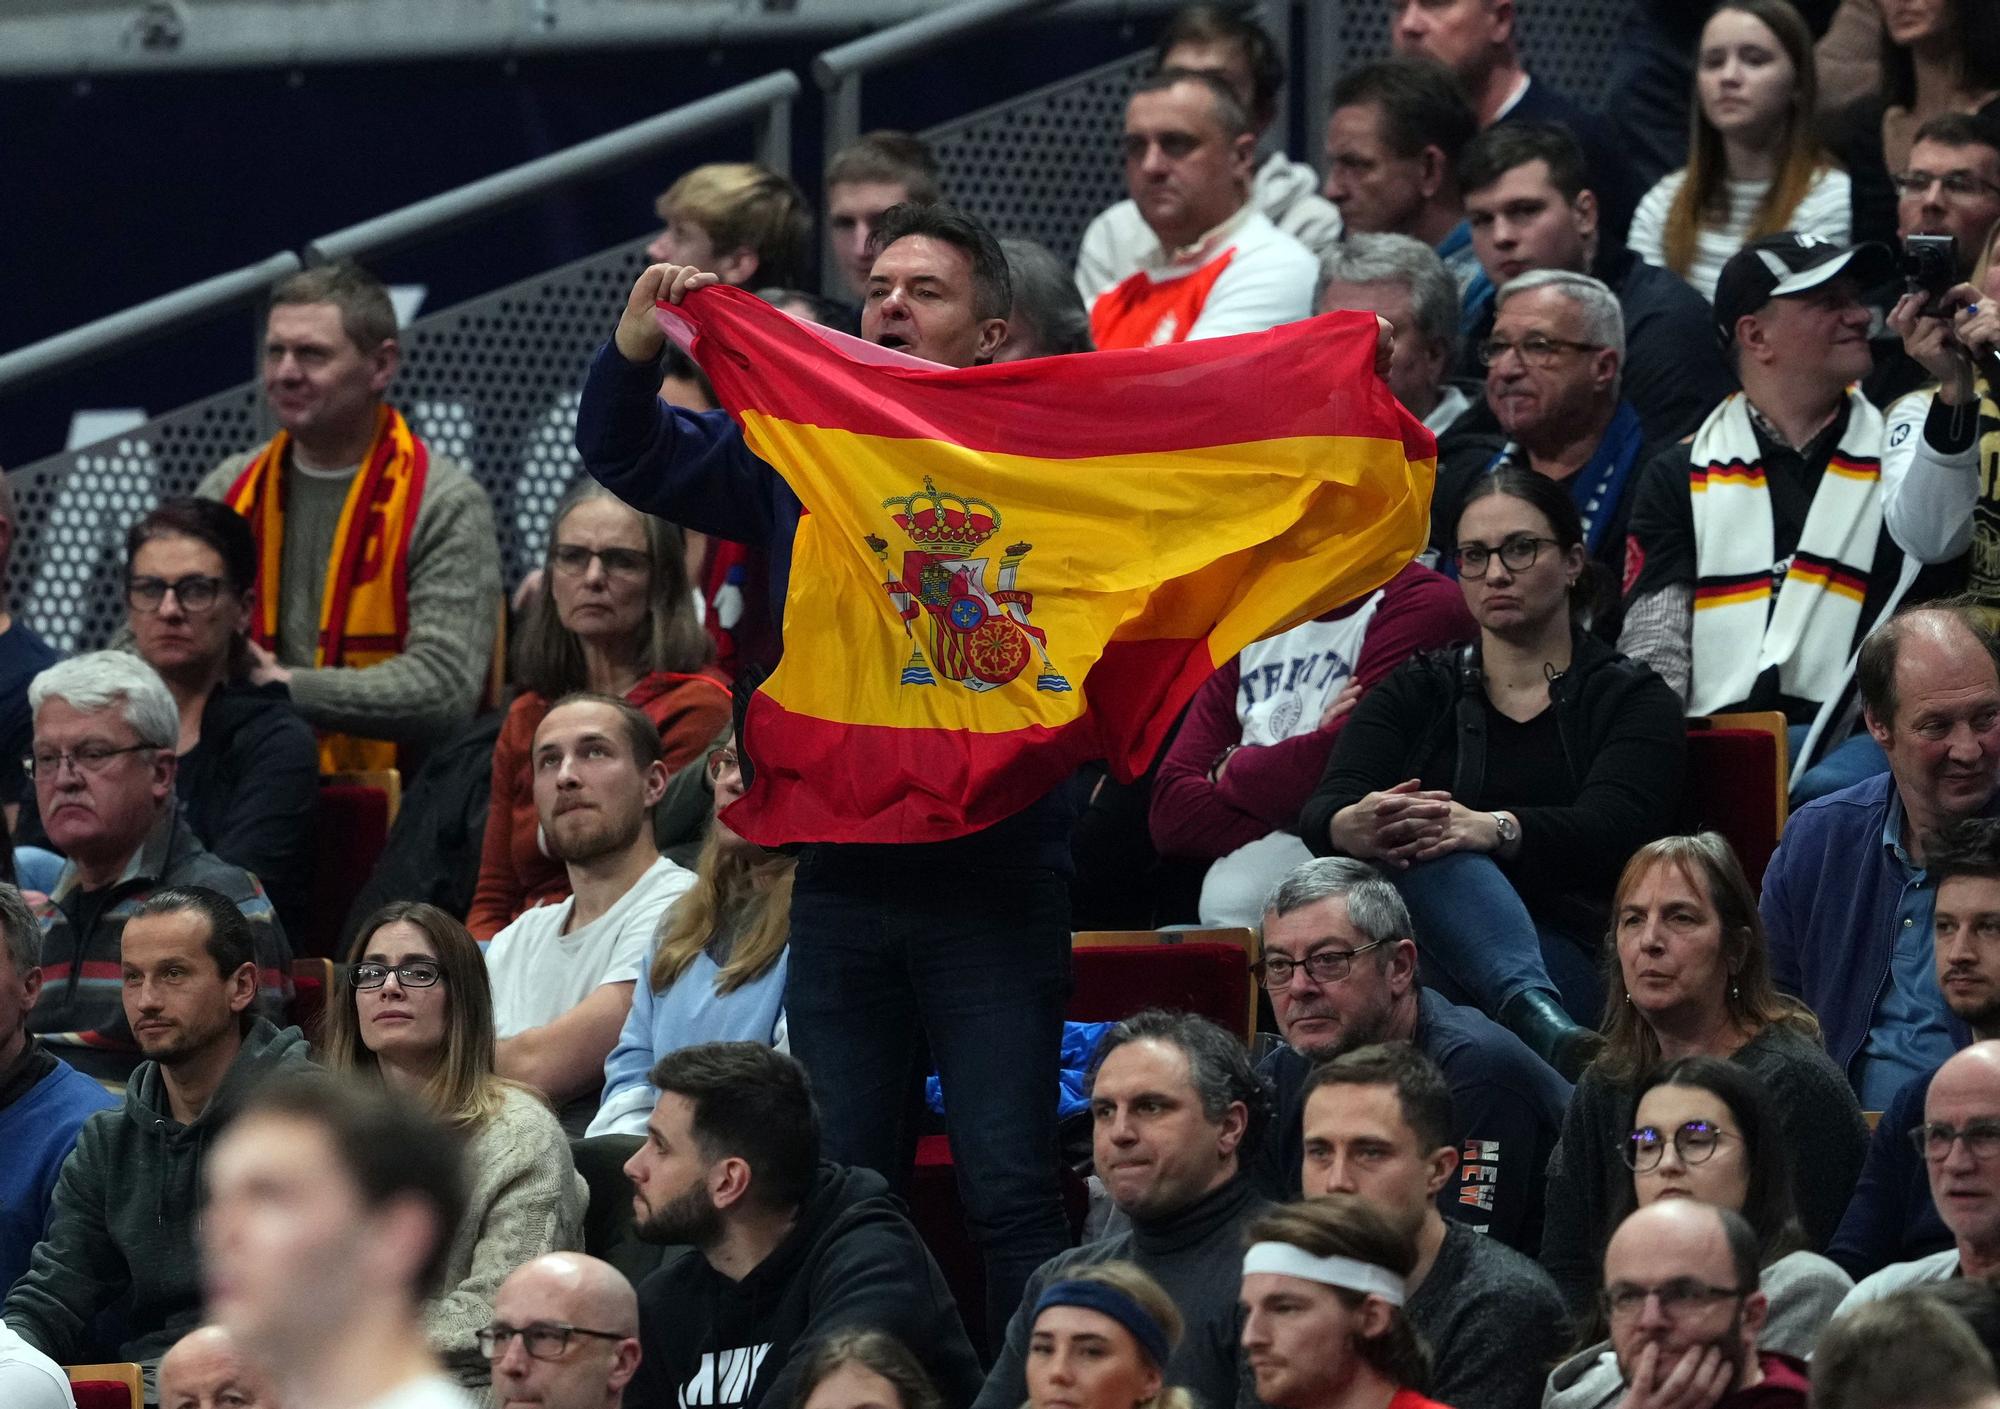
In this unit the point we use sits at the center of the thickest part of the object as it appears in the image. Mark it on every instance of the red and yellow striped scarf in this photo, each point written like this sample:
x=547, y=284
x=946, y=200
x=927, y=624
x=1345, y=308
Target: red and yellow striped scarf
x=364, y=614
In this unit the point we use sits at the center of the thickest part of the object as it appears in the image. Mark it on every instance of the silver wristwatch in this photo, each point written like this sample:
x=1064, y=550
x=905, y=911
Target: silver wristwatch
x=1510, y=830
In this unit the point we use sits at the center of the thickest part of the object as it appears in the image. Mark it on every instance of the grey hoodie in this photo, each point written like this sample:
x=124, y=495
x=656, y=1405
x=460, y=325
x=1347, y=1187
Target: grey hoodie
x=125, y=1215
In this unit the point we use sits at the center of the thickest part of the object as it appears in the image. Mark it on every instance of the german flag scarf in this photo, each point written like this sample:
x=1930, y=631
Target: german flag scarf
x=1808, y=632
x=364, y=614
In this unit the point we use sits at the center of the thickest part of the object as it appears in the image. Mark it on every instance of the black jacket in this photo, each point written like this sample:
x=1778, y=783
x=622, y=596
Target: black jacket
x=249, y=791
x=1622, y=738
x=852, y=1261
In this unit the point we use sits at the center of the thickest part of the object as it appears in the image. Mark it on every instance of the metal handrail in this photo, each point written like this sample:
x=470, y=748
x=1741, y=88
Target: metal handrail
x=142, y=322
x=839, y=70
x=767, y=99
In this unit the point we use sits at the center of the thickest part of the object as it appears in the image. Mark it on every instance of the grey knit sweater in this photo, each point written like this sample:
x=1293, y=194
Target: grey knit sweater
x=526, y=1199
x=431, y=690
x=1493, y=1320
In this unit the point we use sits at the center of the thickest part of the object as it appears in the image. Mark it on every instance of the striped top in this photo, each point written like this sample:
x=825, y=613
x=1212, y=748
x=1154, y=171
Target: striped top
x=1825, y=210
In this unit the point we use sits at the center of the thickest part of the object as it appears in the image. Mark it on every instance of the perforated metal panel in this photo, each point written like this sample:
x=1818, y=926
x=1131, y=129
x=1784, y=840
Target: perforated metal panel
x=492, y=383
x=1043, y=164
x=1566, y=43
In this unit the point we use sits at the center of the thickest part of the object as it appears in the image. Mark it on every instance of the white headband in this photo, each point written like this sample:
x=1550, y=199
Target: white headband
x=1289, y=1260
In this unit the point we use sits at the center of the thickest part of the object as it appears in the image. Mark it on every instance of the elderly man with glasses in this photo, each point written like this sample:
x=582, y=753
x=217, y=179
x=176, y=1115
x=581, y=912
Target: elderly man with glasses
x=1555, y=361
x=1681, y=1297
x=1959, y=1141
x=104, y=765
x=565, y=1334
x=1341, y=971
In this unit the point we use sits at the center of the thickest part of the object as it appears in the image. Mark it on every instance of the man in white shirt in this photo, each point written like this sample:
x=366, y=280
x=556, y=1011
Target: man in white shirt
x=329, y=1217
x=1216, y=39
x=562, y=974
x=28, y=1378
x=1215, y=265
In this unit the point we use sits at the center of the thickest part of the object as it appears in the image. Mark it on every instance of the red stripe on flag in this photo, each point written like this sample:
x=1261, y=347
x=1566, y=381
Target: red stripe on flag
x=825, y=781
x=766, y=361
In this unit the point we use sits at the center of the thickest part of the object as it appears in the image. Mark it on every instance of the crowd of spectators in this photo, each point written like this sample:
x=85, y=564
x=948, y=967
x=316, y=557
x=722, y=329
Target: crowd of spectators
x=1563, y=1101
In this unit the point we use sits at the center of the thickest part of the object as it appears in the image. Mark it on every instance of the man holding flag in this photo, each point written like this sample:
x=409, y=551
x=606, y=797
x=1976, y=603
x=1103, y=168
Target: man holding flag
x=999, y=573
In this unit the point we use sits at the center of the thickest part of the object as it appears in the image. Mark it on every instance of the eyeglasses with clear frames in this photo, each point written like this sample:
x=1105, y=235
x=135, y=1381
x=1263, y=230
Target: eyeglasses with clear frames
x=1959, y=185
x=545, y=1340
x=573, y=560
x=724, y=763
x=86, y=758
x=1693, y=1140
x=1934, y=1139
x=418, y=973
x=1321, y=966
x=1535, y=350
x=1623, y=1301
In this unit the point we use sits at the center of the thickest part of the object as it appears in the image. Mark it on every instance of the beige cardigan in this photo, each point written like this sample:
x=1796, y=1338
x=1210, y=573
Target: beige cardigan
x=526, y=1198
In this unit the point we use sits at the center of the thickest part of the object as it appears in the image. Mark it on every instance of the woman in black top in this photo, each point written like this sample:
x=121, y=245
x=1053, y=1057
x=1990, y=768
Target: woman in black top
x=1503, y=784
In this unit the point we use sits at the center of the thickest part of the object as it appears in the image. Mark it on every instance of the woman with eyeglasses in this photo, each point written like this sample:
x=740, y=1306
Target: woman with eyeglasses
x=1755, y=165
x=1502, y=784
x=248, y=770
x=717, y=971
x=617, y=618
x=1706, y=1128
x=412, y=1010
x=1101, y=1339
x=1940, y=58
x=1693, y=979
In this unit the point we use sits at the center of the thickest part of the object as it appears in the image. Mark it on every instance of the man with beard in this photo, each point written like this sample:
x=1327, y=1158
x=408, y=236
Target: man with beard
x=1507, y=1104
x=782, y=1250
x=1891, y=1217
x=563, y=974
x=1377, y=1125
x=1680, y=1291
x=1959, y=1141
x=122, y=1226
x=1173, y=1104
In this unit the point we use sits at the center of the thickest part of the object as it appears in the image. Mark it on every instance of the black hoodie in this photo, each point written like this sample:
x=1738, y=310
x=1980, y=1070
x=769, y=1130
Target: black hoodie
x=851, y=1261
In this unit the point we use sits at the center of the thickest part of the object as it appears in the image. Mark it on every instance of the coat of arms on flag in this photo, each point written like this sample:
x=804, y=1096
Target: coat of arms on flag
x=980, y=638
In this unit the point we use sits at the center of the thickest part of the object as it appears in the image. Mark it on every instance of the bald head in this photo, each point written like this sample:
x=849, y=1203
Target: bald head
x=205, y=1370
x=1964, y=1100
x=1681, y=1278
x=566, y=1289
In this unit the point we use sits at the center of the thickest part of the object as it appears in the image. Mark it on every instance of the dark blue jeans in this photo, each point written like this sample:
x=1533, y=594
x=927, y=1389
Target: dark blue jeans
x=977, y=964
x=1480, y=946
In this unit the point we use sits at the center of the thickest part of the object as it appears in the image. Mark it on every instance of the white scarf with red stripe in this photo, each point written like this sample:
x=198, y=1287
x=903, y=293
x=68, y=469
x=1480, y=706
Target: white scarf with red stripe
x=1739, y=633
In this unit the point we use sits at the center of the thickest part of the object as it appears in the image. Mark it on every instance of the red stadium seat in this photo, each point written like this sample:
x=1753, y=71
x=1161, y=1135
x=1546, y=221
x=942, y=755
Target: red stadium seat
x=312, y=986
x=1735, y=786
x=353, y=828
x=119, y=1386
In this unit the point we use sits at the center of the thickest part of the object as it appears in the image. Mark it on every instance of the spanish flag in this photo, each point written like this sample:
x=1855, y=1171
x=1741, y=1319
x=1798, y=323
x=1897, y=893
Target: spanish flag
x=1007, y=571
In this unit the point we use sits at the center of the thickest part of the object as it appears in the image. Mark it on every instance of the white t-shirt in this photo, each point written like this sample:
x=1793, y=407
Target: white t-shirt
x=431, y=1392
x=1898, y=1276
x=539, y=973
x=28, y=1378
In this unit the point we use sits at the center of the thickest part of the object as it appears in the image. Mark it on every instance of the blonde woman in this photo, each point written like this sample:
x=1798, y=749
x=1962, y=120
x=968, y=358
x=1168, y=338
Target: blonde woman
x=1755, y=164
x=413, y=1011
x=1102, y=1338
x=718, y=967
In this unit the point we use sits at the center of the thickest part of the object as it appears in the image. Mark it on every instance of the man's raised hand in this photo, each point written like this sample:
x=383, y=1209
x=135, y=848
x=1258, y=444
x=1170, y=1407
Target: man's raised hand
x=639, y=337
